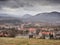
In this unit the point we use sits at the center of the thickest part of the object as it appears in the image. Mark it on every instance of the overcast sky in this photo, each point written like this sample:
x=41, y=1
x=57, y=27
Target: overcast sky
x=21, y=7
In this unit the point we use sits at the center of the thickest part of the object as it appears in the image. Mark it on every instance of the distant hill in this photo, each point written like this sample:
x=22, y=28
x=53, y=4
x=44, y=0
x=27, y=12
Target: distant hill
x=5, y=18
x=52, y=17
x=2, y=15
x=26, y=16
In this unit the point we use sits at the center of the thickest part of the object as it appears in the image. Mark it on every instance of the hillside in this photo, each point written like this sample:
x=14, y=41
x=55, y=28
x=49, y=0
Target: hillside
x=26, y=41
x=6, y=18
x=26, y=16
x=52, y=17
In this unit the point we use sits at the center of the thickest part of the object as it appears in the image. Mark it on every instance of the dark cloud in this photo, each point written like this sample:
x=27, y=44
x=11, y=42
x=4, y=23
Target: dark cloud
x=3, y=0
x=14, y=3
x=47, y=2
x=27, y=3
x=54, y=1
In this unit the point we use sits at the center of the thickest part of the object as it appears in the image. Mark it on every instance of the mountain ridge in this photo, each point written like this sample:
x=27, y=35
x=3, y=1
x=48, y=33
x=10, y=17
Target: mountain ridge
x=51, y=17
x=26, y=16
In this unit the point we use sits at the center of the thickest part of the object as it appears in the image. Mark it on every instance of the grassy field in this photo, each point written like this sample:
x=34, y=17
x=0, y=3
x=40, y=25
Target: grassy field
x=23, y=41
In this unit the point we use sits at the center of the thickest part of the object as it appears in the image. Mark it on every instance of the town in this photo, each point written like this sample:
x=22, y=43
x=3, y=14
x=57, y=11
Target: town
x=30, y=30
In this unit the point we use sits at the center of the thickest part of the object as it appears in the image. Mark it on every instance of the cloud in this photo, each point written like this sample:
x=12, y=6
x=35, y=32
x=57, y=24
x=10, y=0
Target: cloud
x=30, y=5
x=55, y=1
x=27, y=3
x=3, y=0
x=14, y=3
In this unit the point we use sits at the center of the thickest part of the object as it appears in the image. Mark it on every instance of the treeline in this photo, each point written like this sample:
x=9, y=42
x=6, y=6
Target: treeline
x=12, y=32
x=8, y=32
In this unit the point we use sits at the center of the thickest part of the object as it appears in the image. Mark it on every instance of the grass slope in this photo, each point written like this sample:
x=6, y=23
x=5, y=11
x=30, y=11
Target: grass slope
x=22, y=41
